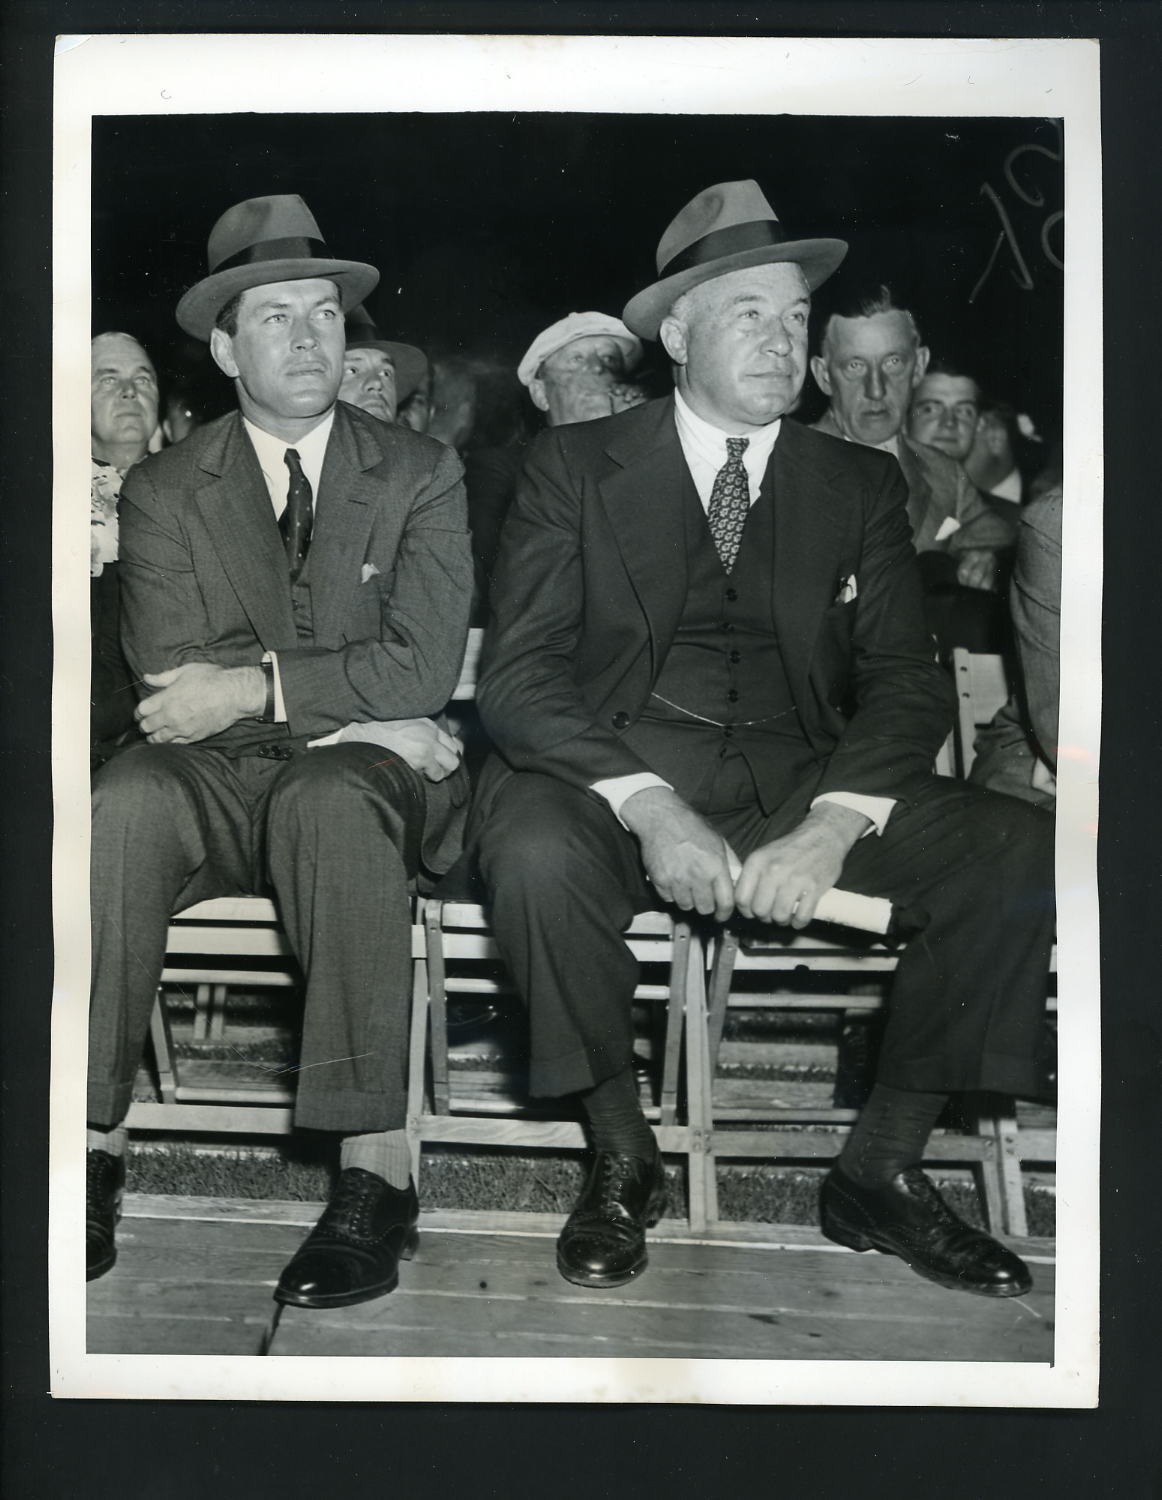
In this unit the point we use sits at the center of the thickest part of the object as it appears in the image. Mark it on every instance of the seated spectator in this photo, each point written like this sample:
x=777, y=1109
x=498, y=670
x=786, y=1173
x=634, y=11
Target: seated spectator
x=870, y=362
x=452, y=402
x=378, y=374
x=999, y=462
x=123, y=418
x=574, y=371
x=944, y=410
x=1017, y=752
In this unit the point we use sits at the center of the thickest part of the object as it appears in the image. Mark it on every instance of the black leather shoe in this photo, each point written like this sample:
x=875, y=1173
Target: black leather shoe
x=908, y=1217
x=603, y=1242
x=104, y=1187
x=353, y=1253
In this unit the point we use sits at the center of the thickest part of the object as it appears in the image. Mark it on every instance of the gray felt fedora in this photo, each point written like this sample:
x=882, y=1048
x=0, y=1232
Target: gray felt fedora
x=725, y=228
x=410, y=363
x=261, y=241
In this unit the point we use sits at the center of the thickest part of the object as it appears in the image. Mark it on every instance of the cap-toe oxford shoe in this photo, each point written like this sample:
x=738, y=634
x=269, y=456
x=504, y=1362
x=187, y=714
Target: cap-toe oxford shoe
x=603, y=1242
x=104, y=1188
x=907, y=1217
x=353, y=1253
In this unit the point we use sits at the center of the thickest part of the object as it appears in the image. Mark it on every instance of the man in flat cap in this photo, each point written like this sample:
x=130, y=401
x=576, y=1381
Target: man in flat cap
x=295, y=580
x=709, y=684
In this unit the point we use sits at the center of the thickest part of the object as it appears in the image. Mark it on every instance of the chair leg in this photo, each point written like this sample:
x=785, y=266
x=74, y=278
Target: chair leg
x=218, y=1013
x=1004, y=1189
x=721, y=974
x=203, y=1003
x=417, y=1058
x=437, y=1006
x=703, y=1181
x=162, y=1038
x=675, y=1019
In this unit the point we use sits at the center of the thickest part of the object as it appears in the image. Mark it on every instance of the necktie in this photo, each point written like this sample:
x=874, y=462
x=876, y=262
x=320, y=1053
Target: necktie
x=295, y=521
x=730, y=502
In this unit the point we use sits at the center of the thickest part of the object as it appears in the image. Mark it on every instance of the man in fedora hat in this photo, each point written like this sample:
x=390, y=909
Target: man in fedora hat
x=709, y=684
x=379, y=374
x=295, y=580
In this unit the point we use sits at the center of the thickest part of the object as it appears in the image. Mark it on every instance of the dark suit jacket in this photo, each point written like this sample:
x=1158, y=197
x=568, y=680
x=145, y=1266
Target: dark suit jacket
x=939, y=490
x=389, y=575
x=592, y=578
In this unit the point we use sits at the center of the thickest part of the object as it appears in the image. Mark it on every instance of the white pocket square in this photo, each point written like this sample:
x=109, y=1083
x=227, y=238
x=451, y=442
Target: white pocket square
x=369, y=571
x=947, y=527
x=848, y=590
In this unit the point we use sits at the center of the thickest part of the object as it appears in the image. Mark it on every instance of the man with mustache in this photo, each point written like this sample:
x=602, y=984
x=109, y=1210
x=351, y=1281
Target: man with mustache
x=709, y=684
x=295, y=581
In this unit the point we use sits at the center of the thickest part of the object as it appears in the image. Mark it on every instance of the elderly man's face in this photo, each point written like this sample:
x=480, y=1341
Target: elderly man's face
x=741, y=346
x=944, y=414
x=287, y=354
x=869, y=367
x=369, y=382
x=575, y=383
x=124, y=398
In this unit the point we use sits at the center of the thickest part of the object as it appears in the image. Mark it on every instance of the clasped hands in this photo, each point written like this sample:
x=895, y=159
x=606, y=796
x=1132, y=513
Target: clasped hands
x=198, y=699
x=691, y=865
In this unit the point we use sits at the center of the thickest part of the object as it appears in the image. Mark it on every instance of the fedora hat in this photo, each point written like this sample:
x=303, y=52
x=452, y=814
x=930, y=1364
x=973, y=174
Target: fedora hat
x=264, y=240
x=725, y=228
x=410, y=363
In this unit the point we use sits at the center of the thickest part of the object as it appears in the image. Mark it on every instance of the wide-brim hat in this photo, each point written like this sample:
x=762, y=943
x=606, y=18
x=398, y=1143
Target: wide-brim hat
x=410, y=364
x=726, y=228
x=261, y=241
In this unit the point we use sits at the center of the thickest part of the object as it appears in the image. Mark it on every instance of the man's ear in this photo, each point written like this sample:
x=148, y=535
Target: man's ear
x=537, y=392
x=821, y=373
x=673, y=337
x=923, y=355
x=222, y=352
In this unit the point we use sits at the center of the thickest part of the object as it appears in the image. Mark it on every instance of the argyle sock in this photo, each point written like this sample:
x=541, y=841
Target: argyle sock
x=890, y=1134
x=616, y=1121
x=385, y=1153
x=113, y=1141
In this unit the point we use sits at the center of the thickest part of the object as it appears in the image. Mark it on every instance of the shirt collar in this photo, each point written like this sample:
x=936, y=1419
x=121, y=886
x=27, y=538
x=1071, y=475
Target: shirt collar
x=710, y=442
x=271, y=451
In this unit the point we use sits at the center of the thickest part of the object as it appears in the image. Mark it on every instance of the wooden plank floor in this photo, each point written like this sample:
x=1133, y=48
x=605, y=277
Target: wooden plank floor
x=195, y=1276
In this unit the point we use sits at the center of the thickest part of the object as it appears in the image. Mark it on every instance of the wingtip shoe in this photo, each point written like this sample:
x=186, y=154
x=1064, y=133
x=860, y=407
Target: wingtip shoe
x=907, y=1217
x=353, y=1253
x=104, y=1189
x=603, y=1242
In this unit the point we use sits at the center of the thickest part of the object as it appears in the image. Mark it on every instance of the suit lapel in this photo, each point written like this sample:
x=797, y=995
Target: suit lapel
x=235, y=505
x=919, y=496
x=642, y=497
x=809, y=537
x=346, y=509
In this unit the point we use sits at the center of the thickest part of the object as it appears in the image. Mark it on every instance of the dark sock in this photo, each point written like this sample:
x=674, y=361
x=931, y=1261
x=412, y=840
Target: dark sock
x=890, y=1134
x=616, y=1121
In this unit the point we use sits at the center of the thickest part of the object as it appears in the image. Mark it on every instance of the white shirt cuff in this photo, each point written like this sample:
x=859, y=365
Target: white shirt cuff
x=279, y=703
x=617, y=790
x=878, y=809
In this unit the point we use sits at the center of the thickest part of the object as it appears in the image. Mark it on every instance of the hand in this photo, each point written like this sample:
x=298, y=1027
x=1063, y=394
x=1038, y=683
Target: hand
x=686, y=861
x=977, y=568
x=783, y=881
x=198, y=699
x=420, y=743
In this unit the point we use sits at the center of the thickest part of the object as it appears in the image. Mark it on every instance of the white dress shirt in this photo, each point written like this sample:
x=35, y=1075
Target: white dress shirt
x=704, y=449
x=271, y=454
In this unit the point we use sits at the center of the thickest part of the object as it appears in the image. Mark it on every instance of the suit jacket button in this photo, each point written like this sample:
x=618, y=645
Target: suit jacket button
x=620, y=720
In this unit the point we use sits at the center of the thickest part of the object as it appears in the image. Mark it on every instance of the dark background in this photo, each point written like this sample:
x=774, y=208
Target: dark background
x=186, y=1451
x=488, y=227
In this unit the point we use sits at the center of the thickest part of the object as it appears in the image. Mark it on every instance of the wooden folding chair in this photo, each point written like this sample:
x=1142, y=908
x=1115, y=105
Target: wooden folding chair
x=450, y=936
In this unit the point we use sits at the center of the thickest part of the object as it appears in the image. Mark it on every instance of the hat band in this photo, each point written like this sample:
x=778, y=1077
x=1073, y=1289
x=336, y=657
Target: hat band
x=294, y=247
x=722, y=242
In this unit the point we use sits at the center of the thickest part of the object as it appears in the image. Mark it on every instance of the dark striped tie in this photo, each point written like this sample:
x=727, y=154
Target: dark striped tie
x=730, y=502
x=295, y=521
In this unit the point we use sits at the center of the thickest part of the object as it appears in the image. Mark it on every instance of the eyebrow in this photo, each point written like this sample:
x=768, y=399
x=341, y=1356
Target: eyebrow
x=113, y=370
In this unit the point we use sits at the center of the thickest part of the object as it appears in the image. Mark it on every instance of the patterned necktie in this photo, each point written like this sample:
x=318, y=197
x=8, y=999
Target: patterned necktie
x=295, y=521
x=730, y=502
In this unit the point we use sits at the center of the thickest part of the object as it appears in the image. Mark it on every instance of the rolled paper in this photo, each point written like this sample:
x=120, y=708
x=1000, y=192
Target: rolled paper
x=867, y=913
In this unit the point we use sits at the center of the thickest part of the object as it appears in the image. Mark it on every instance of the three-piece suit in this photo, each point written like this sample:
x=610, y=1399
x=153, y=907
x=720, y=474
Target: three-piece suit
x=373, y=629
x=620, y=645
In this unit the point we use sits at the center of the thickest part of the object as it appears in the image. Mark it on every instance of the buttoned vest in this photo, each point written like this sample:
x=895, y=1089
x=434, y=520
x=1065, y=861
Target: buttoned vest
x=723, y=682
